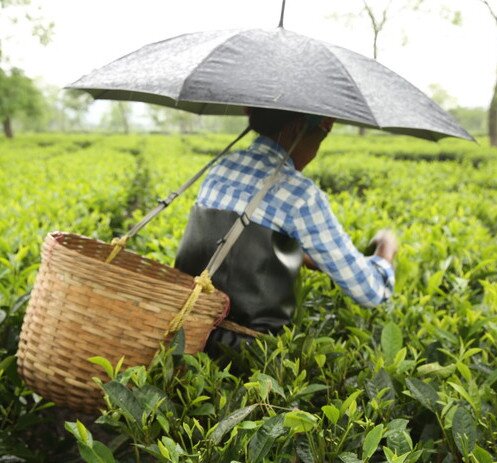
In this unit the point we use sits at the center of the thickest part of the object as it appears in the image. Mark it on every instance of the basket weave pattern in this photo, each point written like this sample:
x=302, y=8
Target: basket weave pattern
x=81, y=307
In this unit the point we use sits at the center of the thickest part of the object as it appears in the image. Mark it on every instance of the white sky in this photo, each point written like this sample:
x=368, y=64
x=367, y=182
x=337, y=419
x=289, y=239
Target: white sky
x=91, y=33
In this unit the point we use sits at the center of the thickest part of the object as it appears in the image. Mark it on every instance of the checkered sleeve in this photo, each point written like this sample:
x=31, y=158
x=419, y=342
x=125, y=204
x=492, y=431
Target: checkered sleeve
x=368, y=280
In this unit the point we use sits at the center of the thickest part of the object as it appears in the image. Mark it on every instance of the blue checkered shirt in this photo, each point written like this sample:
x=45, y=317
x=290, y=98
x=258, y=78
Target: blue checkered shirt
x=297, y=207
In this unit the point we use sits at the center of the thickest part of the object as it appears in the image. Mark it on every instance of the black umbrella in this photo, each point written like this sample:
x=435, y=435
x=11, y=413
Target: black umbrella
x=220, y=72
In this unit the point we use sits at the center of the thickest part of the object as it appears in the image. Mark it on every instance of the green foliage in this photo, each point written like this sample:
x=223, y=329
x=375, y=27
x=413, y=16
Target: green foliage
x=19, y=95
x=410, y=381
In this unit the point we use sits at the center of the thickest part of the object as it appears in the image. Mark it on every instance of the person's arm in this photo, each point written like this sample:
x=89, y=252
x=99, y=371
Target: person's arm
x=368, y=280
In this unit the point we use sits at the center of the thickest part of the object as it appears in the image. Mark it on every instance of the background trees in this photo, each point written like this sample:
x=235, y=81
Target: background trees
x=18, y=93
x=54, y=109
x=492, y=110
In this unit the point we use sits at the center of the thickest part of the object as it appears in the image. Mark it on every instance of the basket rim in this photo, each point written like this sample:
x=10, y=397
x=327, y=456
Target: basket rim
x=117, y=269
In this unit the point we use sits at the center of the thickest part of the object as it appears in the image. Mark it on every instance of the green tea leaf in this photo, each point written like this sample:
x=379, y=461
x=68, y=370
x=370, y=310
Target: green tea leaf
x=268, y=384
x=98, y=453
x=119, y=365
x=331, y=412
x=311, y=389
x=6, y=362
x=349, y=457
x=393, y=457
x=228, y=423
x=303, y=449
x=434, y=281
x=348, y=401
x=398, y=424
x=436, y=369
x=464, y=370
x=482, y=455
x=320, y=360
x=105, y=364
x=149, y=397
x=424, y=393
x=400, y=441
x=123, y=398
x=378, y=384
x=464, y=430
x=179, y=342
x=204, y=410
x=372, y=441
x=391, y=341
x=263, y=440
x=463, y=393
x=84, y=434
x=300, y=421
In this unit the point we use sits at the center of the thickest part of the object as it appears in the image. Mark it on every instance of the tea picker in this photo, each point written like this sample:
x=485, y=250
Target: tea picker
x=92, y=298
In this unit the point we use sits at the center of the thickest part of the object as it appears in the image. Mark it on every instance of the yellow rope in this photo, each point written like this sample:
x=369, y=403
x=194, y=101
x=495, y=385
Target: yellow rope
x=119, y=244
x=202, y=283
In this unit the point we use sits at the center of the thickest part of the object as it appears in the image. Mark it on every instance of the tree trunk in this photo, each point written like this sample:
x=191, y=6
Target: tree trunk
x=7, y=128
x=492, y=119
x=124, y=116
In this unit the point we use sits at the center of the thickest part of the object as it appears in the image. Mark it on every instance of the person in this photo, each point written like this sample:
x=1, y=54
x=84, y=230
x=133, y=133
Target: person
x=292, y=226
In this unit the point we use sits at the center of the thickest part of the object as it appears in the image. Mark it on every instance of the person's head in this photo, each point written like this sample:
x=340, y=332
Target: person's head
x=285, y=126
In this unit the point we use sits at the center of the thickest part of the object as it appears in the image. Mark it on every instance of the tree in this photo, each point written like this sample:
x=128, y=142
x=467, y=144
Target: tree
x=492, y=110
x=117, y=119
x=443, y=98
x=18, y=95
x=474, y=120
x=65, y=110
x=173, y=120
x=15, y=13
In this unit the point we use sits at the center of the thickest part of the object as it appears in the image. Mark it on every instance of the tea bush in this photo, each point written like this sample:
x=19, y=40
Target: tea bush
x=412, y=380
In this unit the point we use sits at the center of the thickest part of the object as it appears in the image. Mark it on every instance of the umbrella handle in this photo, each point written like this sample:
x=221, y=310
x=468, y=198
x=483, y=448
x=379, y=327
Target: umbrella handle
x=120, y=243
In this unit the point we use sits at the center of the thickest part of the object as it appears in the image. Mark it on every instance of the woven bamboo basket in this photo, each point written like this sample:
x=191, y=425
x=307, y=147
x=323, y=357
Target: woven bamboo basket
x=81, y=307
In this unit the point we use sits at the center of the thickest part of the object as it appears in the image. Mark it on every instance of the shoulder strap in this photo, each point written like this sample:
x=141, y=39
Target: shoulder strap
x=120, y=243
x=227, y=242
x=203, y=281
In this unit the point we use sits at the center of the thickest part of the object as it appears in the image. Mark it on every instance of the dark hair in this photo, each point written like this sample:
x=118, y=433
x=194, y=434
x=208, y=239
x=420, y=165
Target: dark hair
x=269, y=122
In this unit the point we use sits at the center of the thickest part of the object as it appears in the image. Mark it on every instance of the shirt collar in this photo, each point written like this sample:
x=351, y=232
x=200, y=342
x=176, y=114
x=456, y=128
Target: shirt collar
x=266, y=145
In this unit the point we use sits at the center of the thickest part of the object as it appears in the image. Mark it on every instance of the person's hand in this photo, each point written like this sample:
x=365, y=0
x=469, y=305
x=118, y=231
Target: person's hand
x=386, y=244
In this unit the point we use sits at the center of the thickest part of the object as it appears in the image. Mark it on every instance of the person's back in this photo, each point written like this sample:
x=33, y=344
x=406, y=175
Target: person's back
x=258, y=274
x=293, y=218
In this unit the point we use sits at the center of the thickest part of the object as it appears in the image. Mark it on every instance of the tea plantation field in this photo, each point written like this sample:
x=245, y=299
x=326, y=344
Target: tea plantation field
x=414, y=380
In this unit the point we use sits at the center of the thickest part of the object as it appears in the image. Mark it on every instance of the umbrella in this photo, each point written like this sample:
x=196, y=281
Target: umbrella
x=220, y=72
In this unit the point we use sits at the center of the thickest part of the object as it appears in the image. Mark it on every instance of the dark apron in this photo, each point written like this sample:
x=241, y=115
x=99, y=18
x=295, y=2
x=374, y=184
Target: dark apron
x=258, y=274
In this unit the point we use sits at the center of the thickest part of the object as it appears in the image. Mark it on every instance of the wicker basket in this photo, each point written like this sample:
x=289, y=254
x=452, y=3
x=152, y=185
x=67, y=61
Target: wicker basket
x=82, y=307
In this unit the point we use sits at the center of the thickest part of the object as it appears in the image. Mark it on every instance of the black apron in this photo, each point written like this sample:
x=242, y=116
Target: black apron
x=258, y=274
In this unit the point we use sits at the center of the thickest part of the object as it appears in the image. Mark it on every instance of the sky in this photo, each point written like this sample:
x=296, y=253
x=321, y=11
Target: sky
x=424, y=48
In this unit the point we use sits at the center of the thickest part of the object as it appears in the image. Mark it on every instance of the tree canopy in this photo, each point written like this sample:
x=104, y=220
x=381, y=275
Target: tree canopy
x=18, y=95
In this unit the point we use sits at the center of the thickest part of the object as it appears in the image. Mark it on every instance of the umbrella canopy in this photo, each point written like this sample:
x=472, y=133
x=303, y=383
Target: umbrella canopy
x=220, y=72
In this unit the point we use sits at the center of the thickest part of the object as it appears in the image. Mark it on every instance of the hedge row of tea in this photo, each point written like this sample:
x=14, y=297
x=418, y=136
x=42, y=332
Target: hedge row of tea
x=412, y=380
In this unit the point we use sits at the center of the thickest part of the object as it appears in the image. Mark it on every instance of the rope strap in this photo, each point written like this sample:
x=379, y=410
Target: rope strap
x=224, y=246
x=119, y=244
x=202, y=283
x=163, y=203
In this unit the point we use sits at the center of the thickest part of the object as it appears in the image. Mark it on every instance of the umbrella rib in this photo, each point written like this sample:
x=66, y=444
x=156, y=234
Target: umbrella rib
x=356, y=86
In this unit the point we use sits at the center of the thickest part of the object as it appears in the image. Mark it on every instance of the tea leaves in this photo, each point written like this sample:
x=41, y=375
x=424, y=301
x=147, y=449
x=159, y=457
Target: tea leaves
x=412, y=380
